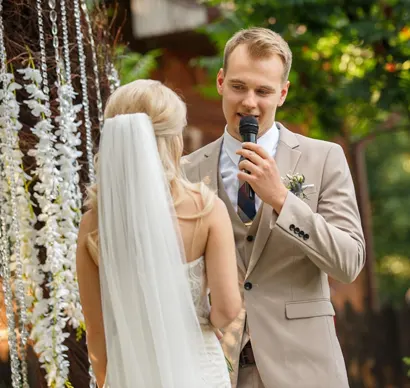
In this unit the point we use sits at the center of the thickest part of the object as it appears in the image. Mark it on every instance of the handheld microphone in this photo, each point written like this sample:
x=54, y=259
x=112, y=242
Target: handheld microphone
x=248, y=129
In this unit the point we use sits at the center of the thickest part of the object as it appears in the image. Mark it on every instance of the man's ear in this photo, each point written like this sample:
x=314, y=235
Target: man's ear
x=220, y=80
x=284, y=93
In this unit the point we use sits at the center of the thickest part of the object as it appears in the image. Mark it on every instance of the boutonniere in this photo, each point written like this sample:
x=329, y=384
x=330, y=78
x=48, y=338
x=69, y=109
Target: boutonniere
x=295, y=184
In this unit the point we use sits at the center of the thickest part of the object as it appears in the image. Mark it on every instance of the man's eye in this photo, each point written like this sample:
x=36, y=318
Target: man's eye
x=237, y=87
x=263, y=92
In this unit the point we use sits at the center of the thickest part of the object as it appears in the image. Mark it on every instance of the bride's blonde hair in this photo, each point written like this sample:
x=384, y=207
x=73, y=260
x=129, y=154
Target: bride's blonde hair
x=168, y=115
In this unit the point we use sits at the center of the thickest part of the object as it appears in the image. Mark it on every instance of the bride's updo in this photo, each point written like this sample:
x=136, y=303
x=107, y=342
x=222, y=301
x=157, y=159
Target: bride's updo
x=168, y=115
x=167, y=112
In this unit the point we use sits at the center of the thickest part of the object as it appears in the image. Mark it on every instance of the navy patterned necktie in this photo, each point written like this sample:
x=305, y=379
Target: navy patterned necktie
x=246, y=205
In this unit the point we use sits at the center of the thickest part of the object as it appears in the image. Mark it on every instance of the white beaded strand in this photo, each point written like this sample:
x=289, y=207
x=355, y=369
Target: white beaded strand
x=8, y=301
x=112, y=76
x=66, y=46
x=54, y=32
x=11, y=175
x=10, y=117
x=84, y=89
x=95, y=65
x=43, y=56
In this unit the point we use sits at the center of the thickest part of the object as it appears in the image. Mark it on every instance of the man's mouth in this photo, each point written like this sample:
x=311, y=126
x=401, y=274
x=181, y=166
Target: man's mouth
x=246, y=114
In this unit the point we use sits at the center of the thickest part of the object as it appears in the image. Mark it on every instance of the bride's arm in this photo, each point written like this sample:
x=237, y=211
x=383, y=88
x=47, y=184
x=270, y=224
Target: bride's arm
x=90, y=295
x=221, y=267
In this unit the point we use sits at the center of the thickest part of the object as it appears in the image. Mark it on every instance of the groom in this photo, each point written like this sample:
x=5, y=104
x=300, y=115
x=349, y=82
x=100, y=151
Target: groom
x=287, y=244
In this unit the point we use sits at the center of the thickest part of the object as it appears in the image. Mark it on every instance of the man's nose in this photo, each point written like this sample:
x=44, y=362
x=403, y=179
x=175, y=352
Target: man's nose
x=249, y=102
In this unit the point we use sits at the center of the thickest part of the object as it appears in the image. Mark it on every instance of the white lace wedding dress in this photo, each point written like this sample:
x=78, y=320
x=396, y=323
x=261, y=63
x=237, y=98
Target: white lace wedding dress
x=214, y=366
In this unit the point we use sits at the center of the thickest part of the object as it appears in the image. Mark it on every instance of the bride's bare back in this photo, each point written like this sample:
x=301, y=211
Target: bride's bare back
x=212, y=236
x=194, y=232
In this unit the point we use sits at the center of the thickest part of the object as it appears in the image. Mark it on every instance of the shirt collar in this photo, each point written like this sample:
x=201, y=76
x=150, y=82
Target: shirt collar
x=268, y=141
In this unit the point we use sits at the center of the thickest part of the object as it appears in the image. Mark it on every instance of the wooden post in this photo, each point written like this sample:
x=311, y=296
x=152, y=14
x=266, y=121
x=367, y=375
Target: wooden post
x=363, y=199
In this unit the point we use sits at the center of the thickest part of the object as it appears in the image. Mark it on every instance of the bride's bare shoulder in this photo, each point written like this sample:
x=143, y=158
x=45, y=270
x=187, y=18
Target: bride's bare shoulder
x=219, y=210
x=193, y=203
x=88, y=225
x=190, y=201
x=88, y=221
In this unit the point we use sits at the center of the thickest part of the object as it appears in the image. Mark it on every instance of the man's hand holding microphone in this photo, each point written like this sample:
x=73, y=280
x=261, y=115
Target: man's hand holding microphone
x=258, y=169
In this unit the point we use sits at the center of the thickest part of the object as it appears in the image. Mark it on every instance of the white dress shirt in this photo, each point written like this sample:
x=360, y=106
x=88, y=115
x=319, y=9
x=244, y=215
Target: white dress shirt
x=229, y=160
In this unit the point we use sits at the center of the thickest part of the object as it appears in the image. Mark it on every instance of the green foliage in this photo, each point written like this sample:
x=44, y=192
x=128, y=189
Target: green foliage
x=350, y=58
x=406, y=360
x=393, y=279
x=389, y=182
x=80, y=331
x=132, y=65
x=91, y=3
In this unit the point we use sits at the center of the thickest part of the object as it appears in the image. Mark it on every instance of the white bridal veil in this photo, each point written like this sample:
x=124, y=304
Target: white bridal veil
x=152, y=332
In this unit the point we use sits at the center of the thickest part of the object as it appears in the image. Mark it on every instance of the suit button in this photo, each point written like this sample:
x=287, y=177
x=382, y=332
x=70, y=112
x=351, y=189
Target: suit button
x=306, y=237
x=291, y=227
x=248, y=286
x=249, y=238
x=296, y=230
x=301, y=233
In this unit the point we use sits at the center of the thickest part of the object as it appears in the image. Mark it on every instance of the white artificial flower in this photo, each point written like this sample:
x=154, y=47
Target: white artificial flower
x=32, y=75
x=35, y=92
x=36, y=108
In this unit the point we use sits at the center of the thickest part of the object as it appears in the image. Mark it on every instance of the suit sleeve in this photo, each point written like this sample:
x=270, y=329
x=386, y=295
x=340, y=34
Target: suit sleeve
x=332, y=238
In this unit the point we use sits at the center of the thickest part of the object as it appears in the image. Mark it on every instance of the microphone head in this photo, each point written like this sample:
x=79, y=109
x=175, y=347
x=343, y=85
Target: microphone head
x=248, y=124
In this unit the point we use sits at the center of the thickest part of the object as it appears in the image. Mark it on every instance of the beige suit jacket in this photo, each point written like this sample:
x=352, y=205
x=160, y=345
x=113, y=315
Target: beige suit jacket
x=284, y=262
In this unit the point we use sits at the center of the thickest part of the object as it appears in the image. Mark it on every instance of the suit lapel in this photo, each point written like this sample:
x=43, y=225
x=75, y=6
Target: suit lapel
x=209, y=173
x=209, y=168
x=287, y=157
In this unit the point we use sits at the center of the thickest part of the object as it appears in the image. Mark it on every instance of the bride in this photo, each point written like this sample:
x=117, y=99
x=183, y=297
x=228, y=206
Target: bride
x=151, y=248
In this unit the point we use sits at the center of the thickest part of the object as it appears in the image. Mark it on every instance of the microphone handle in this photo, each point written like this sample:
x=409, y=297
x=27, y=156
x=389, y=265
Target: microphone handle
x=249, y=138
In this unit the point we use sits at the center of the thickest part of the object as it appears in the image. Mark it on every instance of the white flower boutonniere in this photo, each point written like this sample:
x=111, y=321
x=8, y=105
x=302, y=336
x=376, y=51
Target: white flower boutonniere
x=295, y=184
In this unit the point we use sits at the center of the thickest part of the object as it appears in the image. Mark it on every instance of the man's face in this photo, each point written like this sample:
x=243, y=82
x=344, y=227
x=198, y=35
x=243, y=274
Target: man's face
x=251, y=87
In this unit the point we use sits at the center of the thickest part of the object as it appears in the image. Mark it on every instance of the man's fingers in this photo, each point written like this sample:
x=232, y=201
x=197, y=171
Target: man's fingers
x=246, y=165
x=245, y=177
x=250, y=155
x=256, y=148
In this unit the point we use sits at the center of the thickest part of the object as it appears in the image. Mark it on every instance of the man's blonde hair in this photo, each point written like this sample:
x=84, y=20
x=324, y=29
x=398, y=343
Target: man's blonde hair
x=261, y=43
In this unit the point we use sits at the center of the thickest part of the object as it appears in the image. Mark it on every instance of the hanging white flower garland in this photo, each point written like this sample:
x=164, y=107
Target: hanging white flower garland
x=47, y=331
x=56, y=156
x=10, y=233
x=70, y=196
x=69, y=141
x=58, y=196
x=33, y=275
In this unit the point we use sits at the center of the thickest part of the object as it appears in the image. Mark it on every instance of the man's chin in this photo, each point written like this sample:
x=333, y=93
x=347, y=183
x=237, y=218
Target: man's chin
x=233, y=130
